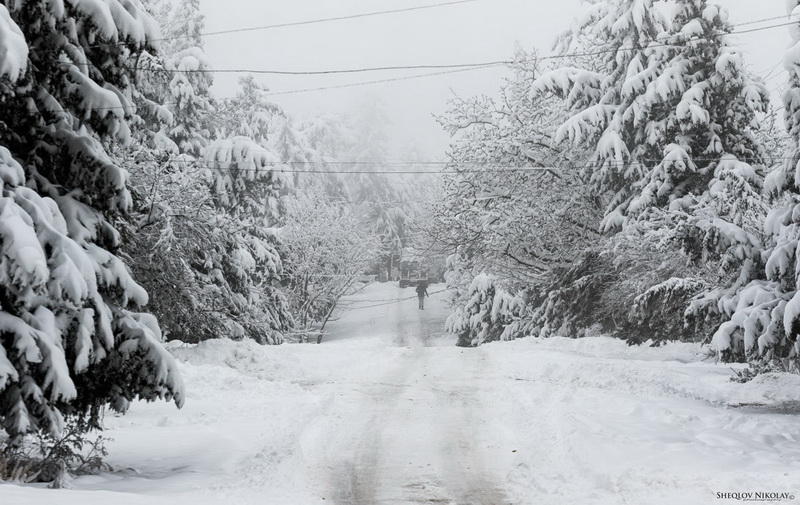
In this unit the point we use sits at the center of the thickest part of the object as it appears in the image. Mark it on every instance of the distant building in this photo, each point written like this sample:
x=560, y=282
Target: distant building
x=412, y=273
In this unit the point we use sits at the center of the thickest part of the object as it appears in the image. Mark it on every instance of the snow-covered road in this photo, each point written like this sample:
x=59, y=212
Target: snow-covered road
x=388, y=411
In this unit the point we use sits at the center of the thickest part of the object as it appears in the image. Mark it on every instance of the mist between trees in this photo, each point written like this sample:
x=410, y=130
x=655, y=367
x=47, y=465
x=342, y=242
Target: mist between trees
x=656, y=199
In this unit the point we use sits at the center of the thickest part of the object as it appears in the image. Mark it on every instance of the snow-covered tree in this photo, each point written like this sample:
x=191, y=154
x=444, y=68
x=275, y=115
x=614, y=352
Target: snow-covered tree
x=671, y=117
x=249, y=113
x=72, y=340
x=168, y=222
x=246, y=189
x=490, y=313
x=669, y=91
x=358, y=144
x=386, y=199
x=176, y=78
x=328, y=249
x=293, y=149
x=604, y=104
x=710, y=179
x=711, y=172
x=764, y=314
x=515, y=205
x=247, y=177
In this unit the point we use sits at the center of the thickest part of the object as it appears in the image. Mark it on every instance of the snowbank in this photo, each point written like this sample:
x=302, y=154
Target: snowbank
x=674, y=369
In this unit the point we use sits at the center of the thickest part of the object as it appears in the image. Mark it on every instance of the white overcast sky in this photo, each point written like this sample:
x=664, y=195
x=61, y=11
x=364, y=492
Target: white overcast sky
x=481, y=31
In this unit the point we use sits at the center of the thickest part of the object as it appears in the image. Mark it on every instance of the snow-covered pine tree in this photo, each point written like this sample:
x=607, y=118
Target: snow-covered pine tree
x=291, y=147
x=678, y=143
x=673, y=98
x=179, y=240
x=764, y=315
x=177, y=77
x=703, y=105
x=249, y=114
x=247, y=178
x=247, y=190
x=705, y=194
x=329, y=138
x=72, y=341
x=490, y=313
x=603, y=103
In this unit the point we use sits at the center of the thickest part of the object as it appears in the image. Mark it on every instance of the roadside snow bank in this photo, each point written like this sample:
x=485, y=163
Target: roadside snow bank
x=608, y=347
x=674, y=369
x=245, y=356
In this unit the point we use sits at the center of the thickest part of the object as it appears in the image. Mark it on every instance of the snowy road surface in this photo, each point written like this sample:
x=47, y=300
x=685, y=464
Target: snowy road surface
x=387, y=411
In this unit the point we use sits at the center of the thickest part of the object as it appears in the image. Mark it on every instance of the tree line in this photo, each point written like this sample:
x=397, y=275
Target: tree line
x=136, y=208
x=639, y=185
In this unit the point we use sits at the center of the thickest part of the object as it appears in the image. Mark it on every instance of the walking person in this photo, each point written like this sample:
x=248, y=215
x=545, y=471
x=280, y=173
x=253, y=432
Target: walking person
x=422, y=292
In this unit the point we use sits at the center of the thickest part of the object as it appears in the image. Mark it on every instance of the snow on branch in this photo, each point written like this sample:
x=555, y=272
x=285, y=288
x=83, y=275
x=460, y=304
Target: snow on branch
x=237, y=162
x=60, y=281
x=13, y=47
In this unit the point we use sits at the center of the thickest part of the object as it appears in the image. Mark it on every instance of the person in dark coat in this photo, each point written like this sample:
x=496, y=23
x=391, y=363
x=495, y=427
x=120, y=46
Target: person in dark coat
x=422, y=292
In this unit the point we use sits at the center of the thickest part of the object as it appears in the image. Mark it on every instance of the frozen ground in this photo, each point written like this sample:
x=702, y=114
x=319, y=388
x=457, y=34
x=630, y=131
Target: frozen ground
x=387, y=411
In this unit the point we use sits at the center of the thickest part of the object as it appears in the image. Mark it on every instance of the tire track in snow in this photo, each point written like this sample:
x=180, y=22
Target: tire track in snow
x=411, y=433
x=466, y=474
x=410, y=438
x=353, y=436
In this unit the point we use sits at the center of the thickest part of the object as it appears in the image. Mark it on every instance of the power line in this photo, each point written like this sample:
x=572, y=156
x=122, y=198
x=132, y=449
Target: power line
x=444, y=163
x=375, y=81
x=304, y=22
x=506, y=62
x=329, y=19
x=274, y=168
x=358, y=70
x=354, y=16
x=751, y=30
x=477, y=66
x=453, y=68
x=456, y=66
x=466, y=66
x=661, y=44
x=762, y=20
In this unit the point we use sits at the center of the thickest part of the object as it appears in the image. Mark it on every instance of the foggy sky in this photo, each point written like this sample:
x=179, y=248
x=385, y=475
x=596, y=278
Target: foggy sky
x=481, y=31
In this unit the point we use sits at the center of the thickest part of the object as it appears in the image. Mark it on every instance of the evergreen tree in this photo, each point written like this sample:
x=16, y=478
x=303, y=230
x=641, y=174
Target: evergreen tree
x=292, y=148
x=249, y=114
x=764, y=315
x=673, y=128
x=604, y=105
x=703, y=105
x=177, y=76
x=247, y=192
x=72, y=341
x=672, y=99
x=489, y=314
